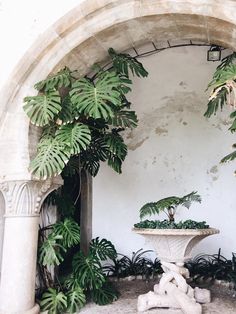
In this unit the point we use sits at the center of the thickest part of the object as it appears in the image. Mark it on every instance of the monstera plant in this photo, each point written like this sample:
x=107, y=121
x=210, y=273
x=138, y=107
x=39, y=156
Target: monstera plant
x=169, y=206
x=223, y=92
x=82, y=119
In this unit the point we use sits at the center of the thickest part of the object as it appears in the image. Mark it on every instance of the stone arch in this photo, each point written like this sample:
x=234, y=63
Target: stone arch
x=82, y=37
x=2, y=212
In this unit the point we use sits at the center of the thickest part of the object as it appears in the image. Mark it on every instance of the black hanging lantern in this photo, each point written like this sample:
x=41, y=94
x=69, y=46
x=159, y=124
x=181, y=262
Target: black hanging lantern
x=214, y=54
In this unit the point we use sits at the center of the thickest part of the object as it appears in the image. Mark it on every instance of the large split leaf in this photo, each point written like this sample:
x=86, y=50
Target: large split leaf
x=124, y=119
x=50, y=159
x=50, y=252
x=42, y=109
x=54, y=301
x=76, y=136
x=75, y=300
x=61, y=78
x=103, y=248
x=124, y=62
x=96, y=99
x=69, y=230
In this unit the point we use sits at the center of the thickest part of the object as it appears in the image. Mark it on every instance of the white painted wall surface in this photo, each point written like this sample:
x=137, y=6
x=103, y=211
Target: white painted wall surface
x=174, y=151
x=21, y=23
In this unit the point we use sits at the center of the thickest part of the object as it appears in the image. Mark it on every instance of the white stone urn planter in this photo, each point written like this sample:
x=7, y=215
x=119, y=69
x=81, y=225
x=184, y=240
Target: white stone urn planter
x=174, y=247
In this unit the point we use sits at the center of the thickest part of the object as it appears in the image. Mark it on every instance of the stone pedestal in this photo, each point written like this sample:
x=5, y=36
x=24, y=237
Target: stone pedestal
x=23, y=201
x=173, y=247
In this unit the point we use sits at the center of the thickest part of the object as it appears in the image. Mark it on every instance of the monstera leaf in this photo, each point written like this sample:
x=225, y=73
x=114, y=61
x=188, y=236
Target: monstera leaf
x=61, y=78
x=124, y=62
x=124, y=119
x=42, y=109
x=51, y=158
x=53, y=301
x=75, y=300
x=68, y=112
x=69, y=230
x=50, y=252
x=96, y=99
x=88, y=271
x=105, y=295
x=103, y=248
x=76, y=136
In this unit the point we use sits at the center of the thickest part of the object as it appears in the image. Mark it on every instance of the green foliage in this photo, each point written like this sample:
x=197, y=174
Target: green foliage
x=50, y=251
x=69, y=231
x=54, y=301
x=76, y=136
x=42, y=109
x=76, y=299
x=104, y=295
x=78, y=117
x=166, y=224
x=124, y=62
x=96, y=99
x=103, y=249
x=169, y=205
x=51, y=158
x=60, y=79
x=88, y=271
x=223, y=91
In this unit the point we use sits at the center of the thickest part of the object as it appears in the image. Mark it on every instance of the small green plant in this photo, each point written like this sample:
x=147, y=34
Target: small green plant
x=169, y=205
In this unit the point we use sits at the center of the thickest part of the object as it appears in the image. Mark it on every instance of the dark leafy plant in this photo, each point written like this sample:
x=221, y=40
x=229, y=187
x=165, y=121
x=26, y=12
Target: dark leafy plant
x=54, y=301
x=82, y=118
x=166, y=224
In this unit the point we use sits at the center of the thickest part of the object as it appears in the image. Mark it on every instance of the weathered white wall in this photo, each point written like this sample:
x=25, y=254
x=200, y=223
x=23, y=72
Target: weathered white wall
x=21, y=24
x=174, y=151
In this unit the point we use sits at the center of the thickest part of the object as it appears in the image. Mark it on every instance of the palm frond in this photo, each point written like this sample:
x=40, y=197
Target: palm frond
x=216, y=103
x=229, y=157
x=187, y=200
x=42, y=109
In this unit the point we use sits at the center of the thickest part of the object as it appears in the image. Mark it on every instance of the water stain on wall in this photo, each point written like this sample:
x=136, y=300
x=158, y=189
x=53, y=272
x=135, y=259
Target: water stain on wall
x=161, y=131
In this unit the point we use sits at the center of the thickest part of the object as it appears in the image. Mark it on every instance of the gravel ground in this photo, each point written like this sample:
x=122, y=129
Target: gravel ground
x=223, y=300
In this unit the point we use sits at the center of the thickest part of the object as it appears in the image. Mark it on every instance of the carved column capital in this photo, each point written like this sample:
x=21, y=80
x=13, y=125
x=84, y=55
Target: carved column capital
x=25, y=197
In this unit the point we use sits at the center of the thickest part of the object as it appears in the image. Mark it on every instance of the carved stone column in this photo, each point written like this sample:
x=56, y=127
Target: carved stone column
x=23, y=200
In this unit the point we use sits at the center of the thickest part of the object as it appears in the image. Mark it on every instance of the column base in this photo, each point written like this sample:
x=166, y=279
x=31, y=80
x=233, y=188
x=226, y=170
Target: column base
x=34, y=310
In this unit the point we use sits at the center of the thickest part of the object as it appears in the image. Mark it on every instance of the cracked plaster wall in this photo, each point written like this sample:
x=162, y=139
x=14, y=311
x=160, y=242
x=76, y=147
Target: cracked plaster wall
x=173, y=151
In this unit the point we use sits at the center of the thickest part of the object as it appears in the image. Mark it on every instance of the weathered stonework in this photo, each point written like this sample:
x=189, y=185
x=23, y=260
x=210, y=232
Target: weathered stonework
x=24, y=198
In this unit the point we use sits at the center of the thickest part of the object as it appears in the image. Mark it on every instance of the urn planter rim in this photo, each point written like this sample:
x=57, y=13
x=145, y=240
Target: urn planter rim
x=182, y=232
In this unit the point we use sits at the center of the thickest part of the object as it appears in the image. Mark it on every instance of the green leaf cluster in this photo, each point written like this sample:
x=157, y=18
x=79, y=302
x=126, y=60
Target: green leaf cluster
x=166, y=224
x=82, y=118
x=169, y=205
x=223, y=92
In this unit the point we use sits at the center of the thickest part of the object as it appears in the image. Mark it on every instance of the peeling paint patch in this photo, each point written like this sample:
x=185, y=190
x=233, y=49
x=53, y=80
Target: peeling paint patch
x=161, y=131
x=185, y=123
x=154, y=160
x=134, y=146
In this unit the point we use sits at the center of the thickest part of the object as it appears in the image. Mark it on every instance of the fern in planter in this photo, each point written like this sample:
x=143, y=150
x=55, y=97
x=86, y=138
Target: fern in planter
x=169, y=206
x=82, y=118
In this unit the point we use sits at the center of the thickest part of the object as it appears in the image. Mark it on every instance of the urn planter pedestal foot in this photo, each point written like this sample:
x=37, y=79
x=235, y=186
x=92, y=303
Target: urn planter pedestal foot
x=173, y=246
